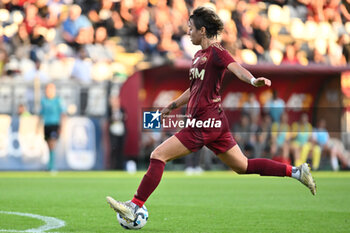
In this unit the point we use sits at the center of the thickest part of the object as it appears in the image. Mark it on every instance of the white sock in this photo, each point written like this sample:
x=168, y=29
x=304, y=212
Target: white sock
x=296, y=173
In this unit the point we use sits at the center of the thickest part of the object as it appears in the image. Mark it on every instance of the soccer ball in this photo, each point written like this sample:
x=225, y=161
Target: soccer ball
x=138, y=223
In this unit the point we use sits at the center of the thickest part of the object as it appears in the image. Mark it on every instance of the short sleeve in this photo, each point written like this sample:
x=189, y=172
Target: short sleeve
x=221, y=56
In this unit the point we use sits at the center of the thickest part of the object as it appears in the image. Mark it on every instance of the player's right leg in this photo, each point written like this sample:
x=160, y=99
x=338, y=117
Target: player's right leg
x=236, y=160
x=170, y=149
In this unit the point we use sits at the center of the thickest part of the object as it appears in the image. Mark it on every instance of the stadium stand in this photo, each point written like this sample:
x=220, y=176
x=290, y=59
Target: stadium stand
x=91, y=43
x=130, y=33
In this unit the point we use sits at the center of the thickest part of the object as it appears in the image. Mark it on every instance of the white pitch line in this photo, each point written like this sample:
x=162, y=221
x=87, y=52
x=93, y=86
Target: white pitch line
x=50, y=222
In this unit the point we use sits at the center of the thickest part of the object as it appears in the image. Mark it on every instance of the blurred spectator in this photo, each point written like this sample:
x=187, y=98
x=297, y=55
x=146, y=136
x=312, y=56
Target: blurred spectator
x=179, y=15
x=55, y=9
x=82, y=67
x=252, y=106
x=335, y=54
x=117, y=133
x=300, y=135
x=51, y=112
x=318, y=58
x=316, y=145
x=345, y=10
x=36, y=73
x=277, y=2
x=43, y=9
x=99, y=51
x=150, y=139
x=32, y=18
x=159, y=28
x=192, y=163
x=280, y=134
x=263, y=138
x=315, y=10
x=37, y=36
x=77, y=28
x=147, y=40
x=11, y=5
x=275, y=107
x=290, y=55
x=244, y=28
x=262, y=36
x=22, y=110
x=243, y=135
x=331, y=11
x=129, y=12
x=229, y=38
x=3, y=60
x=344, y=41
x=167, y=46
x=298, y=9
x=105, y=14
x=20, y=44
x=338, y=153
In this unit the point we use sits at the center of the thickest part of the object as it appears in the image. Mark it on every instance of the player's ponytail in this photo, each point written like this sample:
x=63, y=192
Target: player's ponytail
x=206, y=17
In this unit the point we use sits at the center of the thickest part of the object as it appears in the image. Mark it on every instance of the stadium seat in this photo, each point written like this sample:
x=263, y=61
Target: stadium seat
x=249, y=57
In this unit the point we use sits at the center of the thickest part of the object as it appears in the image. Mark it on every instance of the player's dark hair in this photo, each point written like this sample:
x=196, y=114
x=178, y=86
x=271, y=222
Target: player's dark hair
x=205, y=17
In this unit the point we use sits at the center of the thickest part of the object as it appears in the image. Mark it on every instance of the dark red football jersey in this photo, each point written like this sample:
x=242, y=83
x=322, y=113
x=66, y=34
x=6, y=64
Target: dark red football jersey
x=206, y=75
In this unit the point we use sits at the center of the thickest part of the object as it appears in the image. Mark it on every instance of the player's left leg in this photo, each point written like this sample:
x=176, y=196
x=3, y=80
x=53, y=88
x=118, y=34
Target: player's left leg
x=170, y=149
x=236, y=160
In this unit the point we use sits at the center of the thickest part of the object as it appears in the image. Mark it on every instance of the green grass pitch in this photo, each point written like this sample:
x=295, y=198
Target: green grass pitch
x=212, y=202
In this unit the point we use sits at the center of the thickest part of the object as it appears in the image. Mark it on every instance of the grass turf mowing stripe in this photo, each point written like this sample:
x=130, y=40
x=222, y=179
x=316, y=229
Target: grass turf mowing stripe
x=212, y=202
x=168, y=174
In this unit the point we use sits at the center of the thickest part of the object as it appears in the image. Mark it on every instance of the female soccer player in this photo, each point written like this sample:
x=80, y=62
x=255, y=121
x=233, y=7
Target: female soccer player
x=204, y=102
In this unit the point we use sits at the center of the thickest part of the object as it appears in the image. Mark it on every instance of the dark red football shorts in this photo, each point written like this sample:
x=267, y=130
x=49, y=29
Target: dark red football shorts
x=219, y=140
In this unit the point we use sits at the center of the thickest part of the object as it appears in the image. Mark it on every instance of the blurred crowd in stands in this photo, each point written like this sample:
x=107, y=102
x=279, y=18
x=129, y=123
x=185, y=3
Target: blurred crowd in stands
x=295, y=142
x=99, y=40
x=269, y=131
x=108, y=39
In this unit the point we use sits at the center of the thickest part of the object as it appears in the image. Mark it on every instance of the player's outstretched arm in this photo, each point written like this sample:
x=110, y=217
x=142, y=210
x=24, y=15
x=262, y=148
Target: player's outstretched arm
x=181, y=100
x=244, y=75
